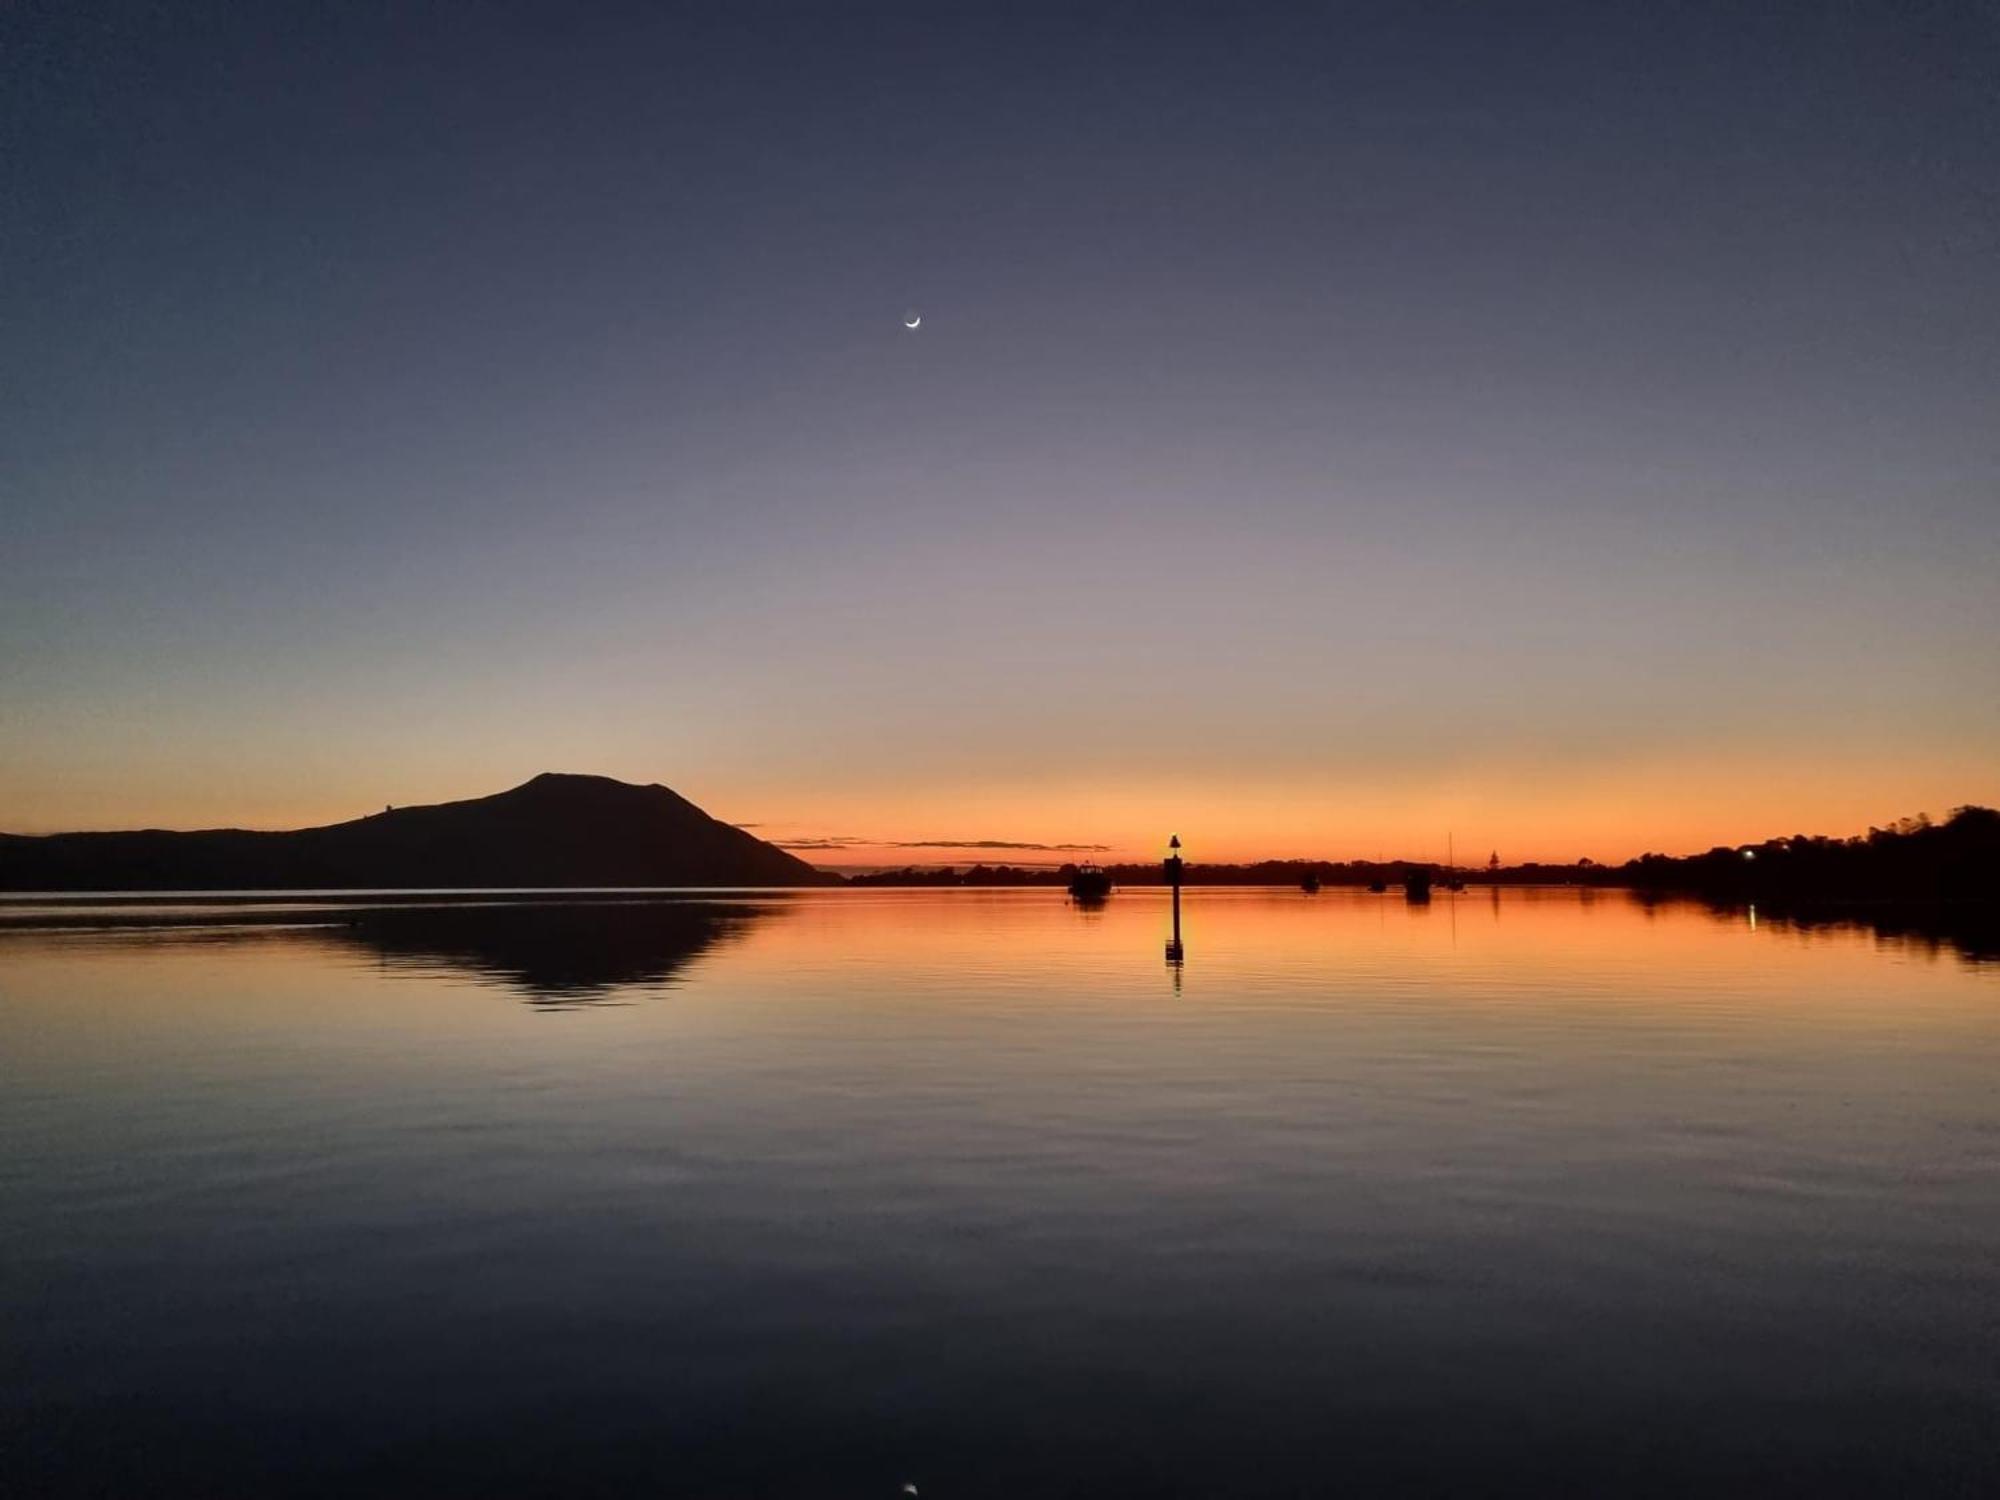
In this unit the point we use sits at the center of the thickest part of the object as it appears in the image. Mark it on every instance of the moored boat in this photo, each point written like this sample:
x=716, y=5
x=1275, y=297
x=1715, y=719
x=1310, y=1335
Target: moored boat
x=1089, y=883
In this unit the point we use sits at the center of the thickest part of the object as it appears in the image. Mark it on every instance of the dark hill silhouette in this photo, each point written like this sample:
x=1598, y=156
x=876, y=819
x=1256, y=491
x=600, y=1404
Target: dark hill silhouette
x=554, y=831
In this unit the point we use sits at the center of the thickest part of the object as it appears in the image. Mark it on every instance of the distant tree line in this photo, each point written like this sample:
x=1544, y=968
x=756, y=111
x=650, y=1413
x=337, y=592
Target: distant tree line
x=1266, y=872
x=951, y=875
x=1911, y=860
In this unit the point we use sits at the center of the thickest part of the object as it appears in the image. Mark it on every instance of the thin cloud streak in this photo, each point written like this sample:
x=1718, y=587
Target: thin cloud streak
x=843, y=841
x=993, y=844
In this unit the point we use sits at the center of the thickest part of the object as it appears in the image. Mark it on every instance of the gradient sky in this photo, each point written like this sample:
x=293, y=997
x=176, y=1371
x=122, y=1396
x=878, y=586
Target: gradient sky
x=1571, y=427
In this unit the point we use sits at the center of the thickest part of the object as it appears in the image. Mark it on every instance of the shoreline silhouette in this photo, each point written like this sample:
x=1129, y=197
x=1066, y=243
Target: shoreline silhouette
x=1913, y=860
x=577, y=832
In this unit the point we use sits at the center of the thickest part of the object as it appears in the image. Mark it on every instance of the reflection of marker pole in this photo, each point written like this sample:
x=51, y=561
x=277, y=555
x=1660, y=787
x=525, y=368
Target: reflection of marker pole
x=1171, y=866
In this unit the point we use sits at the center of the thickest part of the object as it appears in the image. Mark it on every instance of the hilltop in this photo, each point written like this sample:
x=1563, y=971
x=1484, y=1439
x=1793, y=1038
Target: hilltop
x=553, y=831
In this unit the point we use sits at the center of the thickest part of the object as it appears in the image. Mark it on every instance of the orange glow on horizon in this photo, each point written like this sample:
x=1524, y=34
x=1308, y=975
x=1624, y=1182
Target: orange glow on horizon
x=1526, y=811
x=1610, y=815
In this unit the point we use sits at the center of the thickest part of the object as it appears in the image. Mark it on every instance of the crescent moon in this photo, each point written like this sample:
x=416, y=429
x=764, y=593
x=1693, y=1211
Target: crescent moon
x=913, y=322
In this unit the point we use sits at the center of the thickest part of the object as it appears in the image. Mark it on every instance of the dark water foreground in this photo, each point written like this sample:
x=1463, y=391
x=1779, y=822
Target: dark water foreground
x=1527, y=1193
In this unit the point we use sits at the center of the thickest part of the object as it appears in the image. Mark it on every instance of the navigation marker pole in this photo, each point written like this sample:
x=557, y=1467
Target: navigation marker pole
x=1171, y=867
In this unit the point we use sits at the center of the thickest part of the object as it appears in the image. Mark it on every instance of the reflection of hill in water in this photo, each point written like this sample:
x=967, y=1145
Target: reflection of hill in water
x=559, y=955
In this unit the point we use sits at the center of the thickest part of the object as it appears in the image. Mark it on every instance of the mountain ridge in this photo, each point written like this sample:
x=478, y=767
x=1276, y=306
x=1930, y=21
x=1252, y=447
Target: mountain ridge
x=557, y=829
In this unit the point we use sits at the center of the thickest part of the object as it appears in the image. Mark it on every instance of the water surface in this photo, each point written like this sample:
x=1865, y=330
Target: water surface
x=822, y=1193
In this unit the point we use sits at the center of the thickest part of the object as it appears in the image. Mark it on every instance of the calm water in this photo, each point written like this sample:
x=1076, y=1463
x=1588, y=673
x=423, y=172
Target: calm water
x=822, y=1194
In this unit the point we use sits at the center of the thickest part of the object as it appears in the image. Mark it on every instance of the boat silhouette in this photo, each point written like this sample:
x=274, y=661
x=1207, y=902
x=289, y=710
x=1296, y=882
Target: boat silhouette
x=1089, y=883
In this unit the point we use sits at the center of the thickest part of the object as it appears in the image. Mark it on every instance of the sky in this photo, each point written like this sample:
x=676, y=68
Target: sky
x=1563, y=429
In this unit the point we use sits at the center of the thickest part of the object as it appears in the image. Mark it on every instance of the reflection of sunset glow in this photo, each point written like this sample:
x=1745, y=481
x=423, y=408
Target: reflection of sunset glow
x=1483, y=947
x=890, y=950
